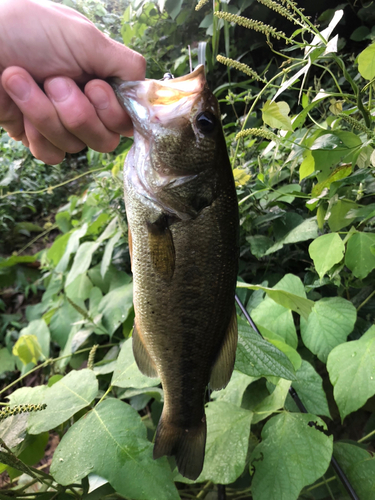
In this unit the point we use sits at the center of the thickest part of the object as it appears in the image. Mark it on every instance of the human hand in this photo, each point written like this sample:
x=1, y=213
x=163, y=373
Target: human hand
x=40, y=41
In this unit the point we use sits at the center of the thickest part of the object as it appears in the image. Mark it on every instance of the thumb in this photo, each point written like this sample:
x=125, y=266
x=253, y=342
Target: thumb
x=112, y=59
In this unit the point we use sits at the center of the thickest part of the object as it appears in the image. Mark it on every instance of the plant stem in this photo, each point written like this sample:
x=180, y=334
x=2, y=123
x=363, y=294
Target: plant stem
x=51, y=188
x=50, y=361
x=365, y=301
x=372, y=433
x=54, y=226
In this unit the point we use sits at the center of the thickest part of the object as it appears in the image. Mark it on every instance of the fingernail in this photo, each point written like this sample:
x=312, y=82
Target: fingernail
x=58, y=89
x=19, y=87
x=98, y=98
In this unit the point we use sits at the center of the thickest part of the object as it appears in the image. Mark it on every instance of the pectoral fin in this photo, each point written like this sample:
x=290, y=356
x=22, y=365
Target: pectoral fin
x=223, y=367
x=161, y=247
x=141, y=355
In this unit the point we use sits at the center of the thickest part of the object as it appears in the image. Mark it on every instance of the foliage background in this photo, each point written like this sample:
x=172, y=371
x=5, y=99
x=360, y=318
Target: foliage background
x=302, y=153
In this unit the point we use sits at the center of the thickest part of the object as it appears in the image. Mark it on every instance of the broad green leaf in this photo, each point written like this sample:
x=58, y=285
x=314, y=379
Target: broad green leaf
x=62, y=322
x=309, y=387
x=306, y=230
x=273, y=402
x=65, y=398
x=339, y=173
x=13, y=429
x=82, y=260
x=79, y=289
x=56, y=251
x=234, y=391
x=292, y=455
x=228, y=431
x=71, y=247
x=63, y=221
x=326, y=251
x=28, y=349
x=289, y=351
x=351, y=368
x=277, y=319
x=366, y=62
x=110, y=441
x=126, y=373
x=359, y=258
x=307, y=166
x=289, y=300
x=359, y=467
x=7, y=361
x=106, y=260
x=275, y=114
x=34, y=451
x=329, y=324
x=115, y=307
x=257, y=358
x=337, y=214
x=39, y=328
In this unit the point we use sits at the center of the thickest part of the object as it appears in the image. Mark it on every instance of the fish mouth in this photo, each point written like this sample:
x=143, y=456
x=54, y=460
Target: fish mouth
x=160, y=101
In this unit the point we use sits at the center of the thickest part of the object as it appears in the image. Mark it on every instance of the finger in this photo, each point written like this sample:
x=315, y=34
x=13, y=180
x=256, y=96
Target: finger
x=11, y=118
x=78, y=115
x=114, y=59
x=38, y=109
x=107, y=107
x=40, y=147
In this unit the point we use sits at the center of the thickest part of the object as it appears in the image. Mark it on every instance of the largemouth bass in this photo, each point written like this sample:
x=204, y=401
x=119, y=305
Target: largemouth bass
x=182, y=216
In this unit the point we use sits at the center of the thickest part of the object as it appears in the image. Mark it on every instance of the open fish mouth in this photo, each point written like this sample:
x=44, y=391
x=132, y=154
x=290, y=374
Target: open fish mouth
x=160, y=102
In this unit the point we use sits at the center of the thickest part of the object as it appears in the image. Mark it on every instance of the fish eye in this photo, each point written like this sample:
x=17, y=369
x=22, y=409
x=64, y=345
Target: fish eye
x=206, y=122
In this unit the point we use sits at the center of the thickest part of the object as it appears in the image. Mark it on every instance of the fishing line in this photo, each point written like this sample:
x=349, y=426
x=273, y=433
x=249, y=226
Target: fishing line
x=335, y=465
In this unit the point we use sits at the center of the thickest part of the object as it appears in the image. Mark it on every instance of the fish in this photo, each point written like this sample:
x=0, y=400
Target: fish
x=183, y=226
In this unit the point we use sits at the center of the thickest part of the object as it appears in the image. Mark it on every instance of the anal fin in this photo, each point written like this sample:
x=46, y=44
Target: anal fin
x=141, y=355
x=223, y=367
x=161, y=247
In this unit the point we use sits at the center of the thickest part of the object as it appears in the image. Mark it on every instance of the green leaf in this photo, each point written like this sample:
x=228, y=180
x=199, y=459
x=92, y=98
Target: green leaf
x=275, y=114
x=27, y=348
x=359, y=467
x=82, y=260
x=306, y=230
x=309, y=387
x=62, y=322
x=329, y=324
x=326, y=251
x=17, y=259
x=307, y=166
x=65, y=398
x=127, y=374
x=71, y=247
x=337, y=214
x=256, y=357
x=106, y=260
x=234, y=391
x=292, y=455
x=7, y=361
x=80, y=289
x=273, y=402
x=277, y=319
x=115, y=307
x=111, y=441
x=289, y=300
x=13, y=429
x=359, y=258
x=39, y=328
x=63, y=221
x=228, y=431
x=351, y=368
x=366, y=62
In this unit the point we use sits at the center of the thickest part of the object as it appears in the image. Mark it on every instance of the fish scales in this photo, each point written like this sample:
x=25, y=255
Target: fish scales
x=182, y=215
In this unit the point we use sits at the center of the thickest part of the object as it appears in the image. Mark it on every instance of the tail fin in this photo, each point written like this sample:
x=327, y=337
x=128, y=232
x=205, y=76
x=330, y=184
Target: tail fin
x=186, y=445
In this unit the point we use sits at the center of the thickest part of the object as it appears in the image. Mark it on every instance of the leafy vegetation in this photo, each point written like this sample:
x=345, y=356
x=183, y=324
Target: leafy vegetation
x=300, y=135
